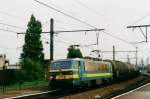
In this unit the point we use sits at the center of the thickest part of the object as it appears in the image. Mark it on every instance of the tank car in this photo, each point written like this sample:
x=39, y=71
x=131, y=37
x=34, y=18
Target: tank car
x=122, y=69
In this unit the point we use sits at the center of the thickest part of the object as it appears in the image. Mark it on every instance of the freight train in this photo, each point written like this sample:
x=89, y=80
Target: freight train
x=79, y=72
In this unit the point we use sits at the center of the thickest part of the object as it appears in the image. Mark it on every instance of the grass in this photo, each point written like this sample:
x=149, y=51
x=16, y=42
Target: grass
x=26, y=85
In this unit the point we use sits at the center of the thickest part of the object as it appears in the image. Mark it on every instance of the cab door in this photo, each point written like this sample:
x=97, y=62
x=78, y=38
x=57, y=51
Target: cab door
x=81, y=69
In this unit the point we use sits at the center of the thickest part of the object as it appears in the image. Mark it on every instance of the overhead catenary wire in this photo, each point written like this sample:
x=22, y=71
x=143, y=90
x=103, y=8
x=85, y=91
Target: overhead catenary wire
x=141, y=18
x=61, y=12
x=68, y=42
x=79, y=20
x=68, y=15
x=52, y=3
x=90, y=46
x=59, y=40
x=9, y=48
x=8, y=30
x=118, y=38
x=67, y=39
x=64, y=22
x=88, y=8
x=12, y=26
x=97, y=35
x=12, y=15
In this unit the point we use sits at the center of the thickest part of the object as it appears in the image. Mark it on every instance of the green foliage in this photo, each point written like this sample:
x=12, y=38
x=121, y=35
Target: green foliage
x=24, y=85
x=32, y=55
x=74, y=52
x=35, y=70
x=33, y=46
x=30, y=71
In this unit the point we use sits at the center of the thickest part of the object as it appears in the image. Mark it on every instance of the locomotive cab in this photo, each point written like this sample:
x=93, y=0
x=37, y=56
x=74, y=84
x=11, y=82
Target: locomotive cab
x=66, y=72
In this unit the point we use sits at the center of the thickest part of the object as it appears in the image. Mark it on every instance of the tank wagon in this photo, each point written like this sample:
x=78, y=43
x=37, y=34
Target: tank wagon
x=122, y=69
x=86, y=72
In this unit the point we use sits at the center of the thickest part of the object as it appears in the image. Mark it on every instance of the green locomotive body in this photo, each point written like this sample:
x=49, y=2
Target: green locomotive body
x=78, y=72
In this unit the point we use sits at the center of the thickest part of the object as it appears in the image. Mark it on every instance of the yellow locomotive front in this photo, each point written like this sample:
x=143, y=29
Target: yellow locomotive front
x=62, y=73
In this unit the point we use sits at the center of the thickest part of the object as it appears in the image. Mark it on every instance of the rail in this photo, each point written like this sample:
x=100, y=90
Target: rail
x=40, y=94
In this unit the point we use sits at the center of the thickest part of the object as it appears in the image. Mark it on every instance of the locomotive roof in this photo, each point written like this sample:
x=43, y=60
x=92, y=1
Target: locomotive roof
x=71, y=59
x=68, y=59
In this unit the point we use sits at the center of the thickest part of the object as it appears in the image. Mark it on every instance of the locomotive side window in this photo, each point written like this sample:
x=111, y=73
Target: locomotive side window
x=61, y=65
x=75, y=65
x=79, y=65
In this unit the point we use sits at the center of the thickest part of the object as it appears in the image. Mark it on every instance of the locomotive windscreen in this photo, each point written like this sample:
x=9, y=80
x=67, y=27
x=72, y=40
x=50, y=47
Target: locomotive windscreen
x=61, y=65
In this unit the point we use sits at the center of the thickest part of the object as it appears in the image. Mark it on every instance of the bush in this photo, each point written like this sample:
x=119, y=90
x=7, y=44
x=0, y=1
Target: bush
x=30, y=71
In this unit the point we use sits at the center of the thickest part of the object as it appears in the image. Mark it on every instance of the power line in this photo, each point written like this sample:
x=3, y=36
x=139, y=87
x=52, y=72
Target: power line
x=8, y=31
x=66, y=12
x=78, y=20
x=57, y=32
x=67, y=42
x=61, y=41
x=81, y=45
x=12, y=26
x=68, y=15
x=8, y=48
x=89, y=9
x=67, y=39
x=141, y=18
x=117, y=38
x=63, y=22
x=70, y=23
x=11, y=15
x=58, y=6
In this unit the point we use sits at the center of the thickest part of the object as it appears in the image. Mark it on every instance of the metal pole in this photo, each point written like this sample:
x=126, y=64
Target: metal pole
x=136, y=56
x=113, y=53
x=51, y=38
x=146, y=34
x=3, y=78
x=128, y=59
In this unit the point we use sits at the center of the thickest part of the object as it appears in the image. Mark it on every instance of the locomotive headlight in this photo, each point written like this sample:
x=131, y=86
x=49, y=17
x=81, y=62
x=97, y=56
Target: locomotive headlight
x=68, y=76
x=51, y=77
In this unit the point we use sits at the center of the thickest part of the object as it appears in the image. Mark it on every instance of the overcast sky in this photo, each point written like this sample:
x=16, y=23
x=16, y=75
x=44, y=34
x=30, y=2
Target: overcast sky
x=112, y=15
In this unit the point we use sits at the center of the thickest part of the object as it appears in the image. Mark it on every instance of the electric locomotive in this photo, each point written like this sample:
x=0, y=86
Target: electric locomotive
x=79, y=72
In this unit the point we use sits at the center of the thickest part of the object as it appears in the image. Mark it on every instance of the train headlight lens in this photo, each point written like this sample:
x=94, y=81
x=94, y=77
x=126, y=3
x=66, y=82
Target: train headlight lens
x=51, y=77
x=68, y=76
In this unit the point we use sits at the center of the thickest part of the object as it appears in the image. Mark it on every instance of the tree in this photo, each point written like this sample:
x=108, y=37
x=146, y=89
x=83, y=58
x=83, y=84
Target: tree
x=74, y=52
x=33, y=45
x=32, y=55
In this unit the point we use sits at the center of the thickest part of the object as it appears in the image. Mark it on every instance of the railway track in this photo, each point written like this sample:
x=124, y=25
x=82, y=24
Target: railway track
x=111, y=90
x=102, y=92
x=130, y=88
x=35, y=95
x=116, y=97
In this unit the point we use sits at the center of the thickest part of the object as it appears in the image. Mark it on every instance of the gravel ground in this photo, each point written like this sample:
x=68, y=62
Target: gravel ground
x=98, y=92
